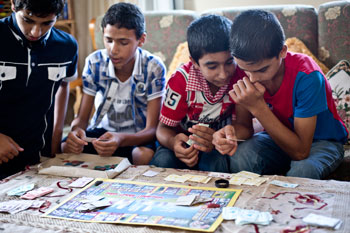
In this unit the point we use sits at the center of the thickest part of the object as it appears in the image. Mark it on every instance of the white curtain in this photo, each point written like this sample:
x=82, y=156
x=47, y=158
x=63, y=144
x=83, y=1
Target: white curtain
x=84, y=11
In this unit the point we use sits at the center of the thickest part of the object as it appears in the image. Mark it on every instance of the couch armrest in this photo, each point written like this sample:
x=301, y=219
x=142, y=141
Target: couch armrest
x=165, y=31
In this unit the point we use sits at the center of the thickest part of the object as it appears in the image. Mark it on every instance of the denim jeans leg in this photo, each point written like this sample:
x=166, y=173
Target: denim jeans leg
x=260, y=155
x=213, y=161
x=325, y=156
x=166, y=158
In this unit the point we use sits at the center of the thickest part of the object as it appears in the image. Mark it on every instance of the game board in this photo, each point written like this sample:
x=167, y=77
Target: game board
x=147, y=204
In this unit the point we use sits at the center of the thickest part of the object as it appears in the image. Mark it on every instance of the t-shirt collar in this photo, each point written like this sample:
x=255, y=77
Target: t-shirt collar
x=197, y=82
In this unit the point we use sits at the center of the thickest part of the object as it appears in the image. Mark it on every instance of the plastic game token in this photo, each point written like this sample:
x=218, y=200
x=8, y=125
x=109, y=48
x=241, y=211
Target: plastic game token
x=213, y=205
x=97, y=183
x=221, y=183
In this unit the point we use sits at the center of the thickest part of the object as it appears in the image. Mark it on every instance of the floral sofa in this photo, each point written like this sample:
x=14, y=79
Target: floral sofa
x=323, y=32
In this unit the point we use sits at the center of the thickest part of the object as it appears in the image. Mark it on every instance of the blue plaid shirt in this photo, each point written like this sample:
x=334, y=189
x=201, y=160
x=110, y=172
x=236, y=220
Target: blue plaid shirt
x=147, y=83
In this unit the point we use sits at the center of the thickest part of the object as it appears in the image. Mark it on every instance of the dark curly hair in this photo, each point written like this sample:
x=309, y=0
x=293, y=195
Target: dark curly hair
x=256, y=35
x=125, y=15
x=40, y=8
x=208, y=34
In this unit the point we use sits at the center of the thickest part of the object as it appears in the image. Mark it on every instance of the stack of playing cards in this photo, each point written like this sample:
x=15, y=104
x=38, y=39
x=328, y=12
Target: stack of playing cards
x=247, y=178
x=244, y=216
x=42, y=191
x=15, y=206
x=220, y=175
x=283, y=184
x=322, y=221
x=189, y=200
x=190, y=142
x=94, y=202
x=21, y=190
x=81, y=182
x=188, y=177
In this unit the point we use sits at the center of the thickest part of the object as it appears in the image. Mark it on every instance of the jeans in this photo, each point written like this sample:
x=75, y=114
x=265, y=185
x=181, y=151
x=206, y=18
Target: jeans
x=212, y=161
x=261, y=155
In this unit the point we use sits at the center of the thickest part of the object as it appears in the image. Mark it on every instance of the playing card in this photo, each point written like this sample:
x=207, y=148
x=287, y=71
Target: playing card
x=283, y=184
x=37, y=193
x=320, y=220
x=89, y=139
x=81, y=182
x=150, y=173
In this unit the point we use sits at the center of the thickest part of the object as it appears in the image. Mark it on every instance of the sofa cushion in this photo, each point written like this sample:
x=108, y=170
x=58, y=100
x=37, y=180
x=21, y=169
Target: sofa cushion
x=297, y=20
x=181, y=56
x=297, y=46
x=165, y=30
x=334, y=32
x=339, y=79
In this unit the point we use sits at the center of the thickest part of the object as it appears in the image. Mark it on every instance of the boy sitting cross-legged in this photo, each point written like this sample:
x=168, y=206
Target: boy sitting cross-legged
x=127, y=84
x=198, y=93
x=289, y=95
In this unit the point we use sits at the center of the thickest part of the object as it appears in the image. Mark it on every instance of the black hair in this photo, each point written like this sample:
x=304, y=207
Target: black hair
x=125, y=15
x=256, y=35
x=40, y=8
x=208, y=34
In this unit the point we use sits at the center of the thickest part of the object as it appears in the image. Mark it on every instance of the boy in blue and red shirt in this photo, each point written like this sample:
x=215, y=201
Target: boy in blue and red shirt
x=287, y=92
x=198, y=93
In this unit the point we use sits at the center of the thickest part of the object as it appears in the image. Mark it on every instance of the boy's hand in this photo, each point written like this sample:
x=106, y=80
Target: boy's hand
x=8, y=148
x=203, y=137
x=75, y=142
x=107, y=144
x=248, y=94
x=223, y=140
x=189, y=155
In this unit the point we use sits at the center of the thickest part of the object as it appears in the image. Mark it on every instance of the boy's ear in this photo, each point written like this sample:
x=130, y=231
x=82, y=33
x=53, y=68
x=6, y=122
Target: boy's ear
x=142, y=39
x=283, y=52
x=194, y=63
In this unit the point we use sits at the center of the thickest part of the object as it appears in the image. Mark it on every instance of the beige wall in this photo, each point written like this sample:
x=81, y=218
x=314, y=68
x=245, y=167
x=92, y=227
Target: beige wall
x=203, y=5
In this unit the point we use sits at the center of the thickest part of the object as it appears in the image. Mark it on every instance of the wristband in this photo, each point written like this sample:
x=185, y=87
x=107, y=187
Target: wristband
x=221, y=183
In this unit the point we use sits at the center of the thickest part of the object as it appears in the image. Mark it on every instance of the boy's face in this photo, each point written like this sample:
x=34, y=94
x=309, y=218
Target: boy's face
x=121, y=44
x=33, y=27
x=217, y=68
x=266, y=70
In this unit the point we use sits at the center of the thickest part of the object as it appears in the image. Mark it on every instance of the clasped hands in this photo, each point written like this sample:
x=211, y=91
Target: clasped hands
x=105, y=145
x=202, y=138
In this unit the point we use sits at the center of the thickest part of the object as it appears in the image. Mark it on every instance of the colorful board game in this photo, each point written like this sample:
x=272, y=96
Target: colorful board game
x=139, y=203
